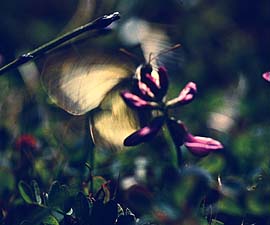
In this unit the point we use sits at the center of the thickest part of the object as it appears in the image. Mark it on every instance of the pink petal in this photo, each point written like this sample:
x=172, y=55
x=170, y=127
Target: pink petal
x=266, y=76
x=201, y=146
x=185, y=96
x=146, y=133
x=156, y=83
x=135, y=101
x=144, y=91
x=146, y=82
x=152, y=84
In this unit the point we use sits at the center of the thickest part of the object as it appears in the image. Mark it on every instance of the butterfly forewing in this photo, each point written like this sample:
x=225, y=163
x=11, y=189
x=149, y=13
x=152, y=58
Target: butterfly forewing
x=79, y=82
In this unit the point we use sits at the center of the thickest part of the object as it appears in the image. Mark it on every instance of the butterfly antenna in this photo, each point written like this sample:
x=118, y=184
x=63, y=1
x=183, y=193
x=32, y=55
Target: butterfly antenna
x=164, y=52
x=131, y=55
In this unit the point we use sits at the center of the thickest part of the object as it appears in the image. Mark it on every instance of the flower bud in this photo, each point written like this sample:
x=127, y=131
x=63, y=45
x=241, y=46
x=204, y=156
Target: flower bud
x=201, y=146
x=146, y=133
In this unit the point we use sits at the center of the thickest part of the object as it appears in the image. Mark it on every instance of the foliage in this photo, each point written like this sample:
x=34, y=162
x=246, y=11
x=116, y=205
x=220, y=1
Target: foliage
x=51, y=171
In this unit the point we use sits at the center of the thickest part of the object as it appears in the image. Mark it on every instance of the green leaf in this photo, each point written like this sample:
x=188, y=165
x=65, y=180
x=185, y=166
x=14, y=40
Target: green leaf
x=126, y=220
x=216, y=222
x=128, y=212
x=7, y=180
x=120, y=210
x=81, y=207
x=26, y=192
x=36, y=214
x=227, y=205
x=100, y=209
x=98, y=181
x=50, y=220
x=58, y=195
x=212, y=163
x=257, y=204
x=36, y=189
x=195, y=186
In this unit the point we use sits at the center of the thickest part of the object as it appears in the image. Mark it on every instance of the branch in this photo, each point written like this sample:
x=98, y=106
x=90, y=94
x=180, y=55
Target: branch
x=97, y=24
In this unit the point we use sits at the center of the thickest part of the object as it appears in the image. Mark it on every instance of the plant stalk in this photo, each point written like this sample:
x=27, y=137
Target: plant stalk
x=98, y=24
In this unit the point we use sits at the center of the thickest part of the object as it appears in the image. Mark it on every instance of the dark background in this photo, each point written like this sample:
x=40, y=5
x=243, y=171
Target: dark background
x=225, y=49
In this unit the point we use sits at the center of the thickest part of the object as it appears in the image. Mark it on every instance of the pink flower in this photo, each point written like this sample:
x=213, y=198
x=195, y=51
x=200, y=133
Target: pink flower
x=266, y=76
x=151, y=89
x=26, y=142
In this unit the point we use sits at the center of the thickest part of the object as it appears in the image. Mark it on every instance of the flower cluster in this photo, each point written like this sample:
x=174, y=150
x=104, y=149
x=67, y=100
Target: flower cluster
x=152, y=87
x=26, y=142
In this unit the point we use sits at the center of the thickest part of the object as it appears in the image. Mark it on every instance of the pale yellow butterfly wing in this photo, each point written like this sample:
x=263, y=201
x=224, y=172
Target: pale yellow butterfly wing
x=79, y=82
x=113, y=121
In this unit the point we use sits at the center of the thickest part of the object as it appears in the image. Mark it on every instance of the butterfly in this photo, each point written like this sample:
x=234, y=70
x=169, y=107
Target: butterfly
x=86, y=78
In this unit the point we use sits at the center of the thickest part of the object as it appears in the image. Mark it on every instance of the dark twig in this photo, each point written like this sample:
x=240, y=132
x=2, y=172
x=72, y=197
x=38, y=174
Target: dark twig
x=89, y=143
x=97, y=24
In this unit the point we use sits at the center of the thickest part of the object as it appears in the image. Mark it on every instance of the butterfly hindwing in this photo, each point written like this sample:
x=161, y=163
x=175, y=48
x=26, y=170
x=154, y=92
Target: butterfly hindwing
x=113, y=121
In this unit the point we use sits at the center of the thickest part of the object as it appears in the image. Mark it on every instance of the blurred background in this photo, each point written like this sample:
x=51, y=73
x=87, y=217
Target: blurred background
x=225, y=48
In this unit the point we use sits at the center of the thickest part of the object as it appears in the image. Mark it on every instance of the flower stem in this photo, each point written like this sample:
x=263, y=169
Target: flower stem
x=177, y=149
x=90, y=146
x=100, y=23
x=180, y=161
x=172, y=147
